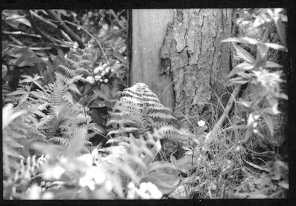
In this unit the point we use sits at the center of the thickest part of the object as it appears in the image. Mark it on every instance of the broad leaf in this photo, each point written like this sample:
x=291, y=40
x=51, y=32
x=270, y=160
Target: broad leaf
x=276, y=46
x=246, y=40
x=270, y=64
x=243, y=54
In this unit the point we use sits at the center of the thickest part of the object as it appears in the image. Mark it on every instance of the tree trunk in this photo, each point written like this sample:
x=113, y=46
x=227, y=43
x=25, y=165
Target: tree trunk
x=196, y=60
x=148, y=31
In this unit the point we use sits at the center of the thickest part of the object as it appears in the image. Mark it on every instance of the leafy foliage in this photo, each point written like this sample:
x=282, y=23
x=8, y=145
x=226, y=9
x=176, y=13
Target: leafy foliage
x=139, y=110
x=61, y=90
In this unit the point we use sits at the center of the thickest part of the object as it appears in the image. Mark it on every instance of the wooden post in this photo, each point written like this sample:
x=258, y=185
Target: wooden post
x=148, y=31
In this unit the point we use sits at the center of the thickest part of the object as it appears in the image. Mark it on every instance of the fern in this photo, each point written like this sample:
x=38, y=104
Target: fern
x=139, y=110
x=19, y=130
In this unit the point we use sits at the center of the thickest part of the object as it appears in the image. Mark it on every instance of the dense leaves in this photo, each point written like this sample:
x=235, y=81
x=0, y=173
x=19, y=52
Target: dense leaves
x=72, y=130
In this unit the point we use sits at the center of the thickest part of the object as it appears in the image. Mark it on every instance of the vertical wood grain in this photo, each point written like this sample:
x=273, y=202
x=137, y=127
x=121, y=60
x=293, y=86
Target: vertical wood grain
x=148, y=31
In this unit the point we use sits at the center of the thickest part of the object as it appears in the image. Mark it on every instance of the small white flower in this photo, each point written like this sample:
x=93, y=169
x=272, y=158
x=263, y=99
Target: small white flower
x=63, y=160
x=105, y=26
x=108, y=186
x=99, y=176
x=75, y=45
x=256, y=116
x=90, y=79
x=47, y=196
x=98, y=77
x=131, y=185
x=34, y=192
x=54, y=172
x=149, y=191
x=255, y=124
x=98, y=69
x=86, y=158
x=201, y=123
x=85, y=181
x=106, y=80
x=93, y=176
x=132, y=191
x=158, y=146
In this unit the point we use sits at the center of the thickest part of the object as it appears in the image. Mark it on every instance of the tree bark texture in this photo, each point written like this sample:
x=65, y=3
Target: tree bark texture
x=148, y=31
x=192, y=54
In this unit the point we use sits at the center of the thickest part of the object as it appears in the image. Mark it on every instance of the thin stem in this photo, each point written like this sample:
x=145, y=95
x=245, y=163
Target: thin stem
x=91, y=35
x=20, y=33
x=212, y=134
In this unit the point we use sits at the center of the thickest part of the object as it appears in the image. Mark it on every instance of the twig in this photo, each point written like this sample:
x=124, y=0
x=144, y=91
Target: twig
x=117, y=20
x=42, y=19
x=16, y=40
x=213, y=133
x=66, y=28
x=91, y=35
x=20, y=33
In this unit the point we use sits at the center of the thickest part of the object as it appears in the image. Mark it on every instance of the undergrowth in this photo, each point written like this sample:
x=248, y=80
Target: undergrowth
x=71, y=130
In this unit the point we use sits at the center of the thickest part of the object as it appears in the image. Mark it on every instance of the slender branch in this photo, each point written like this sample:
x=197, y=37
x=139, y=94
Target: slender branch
x=116, y=19
x=42, y=19
x=20, y=33
x=214, y=132
x=91, y=35
x=66, y=28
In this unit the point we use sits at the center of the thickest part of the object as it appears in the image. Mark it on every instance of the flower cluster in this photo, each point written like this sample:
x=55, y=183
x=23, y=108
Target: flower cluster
x=92, y=177
x=147, y=190
x=101, y=74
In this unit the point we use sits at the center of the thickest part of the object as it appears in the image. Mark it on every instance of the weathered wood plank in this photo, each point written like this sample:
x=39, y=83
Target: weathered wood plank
x=148, y=30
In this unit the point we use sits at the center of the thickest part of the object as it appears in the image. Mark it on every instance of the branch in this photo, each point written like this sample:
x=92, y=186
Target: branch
x=66, y=28
x=116, y=19
x=214, y=132
x=42, y=19
x=92, y=36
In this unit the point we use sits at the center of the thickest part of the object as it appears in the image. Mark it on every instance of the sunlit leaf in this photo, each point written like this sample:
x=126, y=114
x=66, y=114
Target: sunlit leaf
x=237, y=80
x=270, y=64
x=276, y=46
x=284, y=185
x=245, y=40
x=15, y=19
x=243, y=54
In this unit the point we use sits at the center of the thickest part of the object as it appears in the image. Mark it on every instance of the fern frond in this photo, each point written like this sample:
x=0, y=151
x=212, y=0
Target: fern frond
x=139, y=107
x=59, y=140
x=18, y=132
